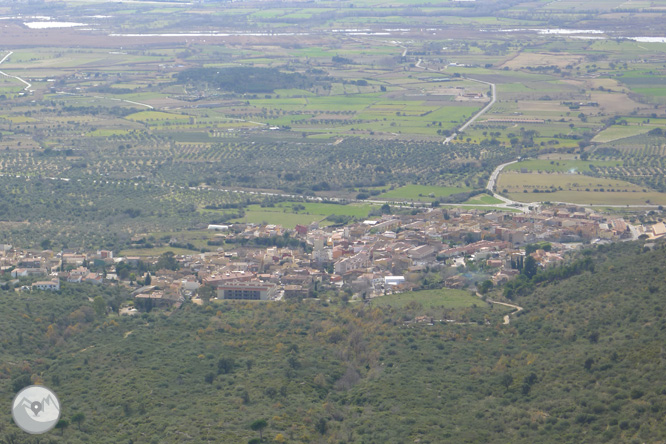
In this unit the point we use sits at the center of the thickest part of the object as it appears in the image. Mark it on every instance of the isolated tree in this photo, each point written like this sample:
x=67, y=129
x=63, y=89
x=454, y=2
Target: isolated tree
x=123, y=270
x=245, y=396
x=147, y=280
x=507, y=380
x=78, y=419
x=530, y=267
x=588, y=364
x=321, y=426
x=293, y=362
x=206, y=293
x=225, y=365
x=21, y=382
x=258, y=426
x=485, y=286
x=531, y=248
x=167, y=261
x=62, y=425
x=100, y=306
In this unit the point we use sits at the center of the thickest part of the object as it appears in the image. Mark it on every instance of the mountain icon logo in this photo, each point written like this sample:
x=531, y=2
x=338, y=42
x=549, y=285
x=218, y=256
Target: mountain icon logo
x=36, y=409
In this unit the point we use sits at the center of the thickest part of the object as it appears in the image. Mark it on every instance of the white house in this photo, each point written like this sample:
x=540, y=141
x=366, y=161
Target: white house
x=189, y=284
x=394, y=280
x=25, y=272
x=53, y=285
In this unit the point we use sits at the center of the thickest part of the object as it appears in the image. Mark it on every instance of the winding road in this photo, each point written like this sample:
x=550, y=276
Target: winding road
x=507, y=318
x=492, y=183
x=495, y=174
x=28, y=85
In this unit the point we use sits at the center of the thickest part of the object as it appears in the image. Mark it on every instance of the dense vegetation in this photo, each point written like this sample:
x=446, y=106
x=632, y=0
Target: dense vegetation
x=97, y=214
x=109, y=190
x=244, y=79
x=583, y=363
x=292, y=165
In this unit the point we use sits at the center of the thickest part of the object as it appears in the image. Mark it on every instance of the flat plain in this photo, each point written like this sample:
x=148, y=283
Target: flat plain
x=367, y=99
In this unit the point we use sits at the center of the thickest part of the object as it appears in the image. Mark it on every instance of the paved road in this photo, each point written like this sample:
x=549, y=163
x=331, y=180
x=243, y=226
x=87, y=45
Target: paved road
x=508, y=203
x=450, y=138
x=492, y=183
x=28, y=85
x=493, y=99
x=495, y=174
x=107, y=98
x=126, y=101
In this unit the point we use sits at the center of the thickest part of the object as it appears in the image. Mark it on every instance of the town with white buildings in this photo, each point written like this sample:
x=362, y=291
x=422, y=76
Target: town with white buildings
x=452, y=247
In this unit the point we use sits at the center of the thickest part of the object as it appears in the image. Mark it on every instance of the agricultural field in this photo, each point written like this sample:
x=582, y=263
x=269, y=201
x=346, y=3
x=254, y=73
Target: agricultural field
x=575, y=188
x=443, y=298
x=556, y=165
x=287, y=220
x=617, y=132
x=289, y=214
x=421, y=193
x=483, y=199
x=333, y=103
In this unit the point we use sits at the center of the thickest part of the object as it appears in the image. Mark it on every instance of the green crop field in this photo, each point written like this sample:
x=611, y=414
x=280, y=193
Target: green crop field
x=483, y=199
x=445, y=297
x=287, y=220
x=286, y=215
x=355, y=210
x=617, y=132
x=420, y=193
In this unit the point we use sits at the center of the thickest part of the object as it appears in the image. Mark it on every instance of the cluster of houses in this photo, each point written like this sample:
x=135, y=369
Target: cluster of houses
x=367, y=259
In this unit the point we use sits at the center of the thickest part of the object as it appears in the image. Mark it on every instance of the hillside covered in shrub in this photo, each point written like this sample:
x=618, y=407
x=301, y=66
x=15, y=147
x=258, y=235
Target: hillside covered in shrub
x=583, y=362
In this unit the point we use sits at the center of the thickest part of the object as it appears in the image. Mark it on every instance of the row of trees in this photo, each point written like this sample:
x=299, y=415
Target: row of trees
x=531, y=275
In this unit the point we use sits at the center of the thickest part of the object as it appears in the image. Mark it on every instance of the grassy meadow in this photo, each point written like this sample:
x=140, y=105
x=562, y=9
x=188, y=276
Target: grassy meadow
x=444, y=298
